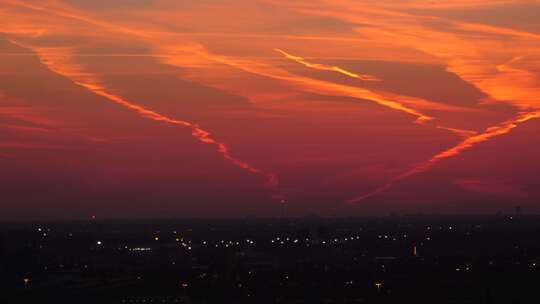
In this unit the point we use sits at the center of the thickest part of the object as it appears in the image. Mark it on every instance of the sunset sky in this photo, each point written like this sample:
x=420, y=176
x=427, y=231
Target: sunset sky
x=212, y=108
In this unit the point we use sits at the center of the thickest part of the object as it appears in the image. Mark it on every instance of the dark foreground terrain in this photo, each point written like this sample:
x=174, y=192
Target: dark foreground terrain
x=310, y=260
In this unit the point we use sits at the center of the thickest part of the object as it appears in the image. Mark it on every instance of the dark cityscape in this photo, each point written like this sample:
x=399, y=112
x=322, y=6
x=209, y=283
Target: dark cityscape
x=395, y=259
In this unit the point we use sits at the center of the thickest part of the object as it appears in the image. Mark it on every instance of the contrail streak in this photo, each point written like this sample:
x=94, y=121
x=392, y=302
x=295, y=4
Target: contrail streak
x=305, y=83
x=463, y=58
x=471, y=137
x=460, y=132
x=464, y=145
x=324, y=67
x=64, y=65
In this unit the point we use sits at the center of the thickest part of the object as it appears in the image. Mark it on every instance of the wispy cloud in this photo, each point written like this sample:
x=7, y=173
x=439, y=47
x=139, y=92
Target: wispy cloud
x=62, y=61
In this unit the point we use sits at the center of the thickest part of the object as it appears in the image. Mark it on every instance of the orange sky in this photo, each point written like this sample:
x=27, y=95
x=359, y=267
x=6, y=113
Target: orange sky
x=140, y=108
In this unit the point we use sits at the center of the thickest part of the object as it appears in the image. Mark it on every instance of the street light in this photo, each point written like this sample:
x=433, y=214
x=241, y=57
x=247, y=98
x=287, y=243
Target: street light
x=378, y=285
x=26, y=281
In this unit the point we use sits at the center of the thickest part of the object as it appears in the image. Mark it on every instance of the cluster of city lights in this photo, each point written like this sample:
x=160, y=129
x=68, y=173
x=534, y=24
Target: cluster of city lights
x=278, y=241
x=140, y=249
